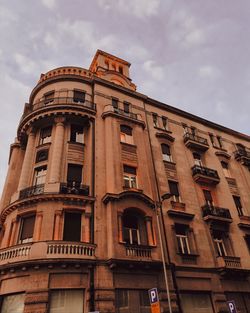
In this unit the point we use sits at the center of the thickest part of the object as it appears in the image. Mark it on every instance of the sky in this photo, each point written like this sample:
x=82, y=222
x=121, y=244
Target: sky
x=193, y=54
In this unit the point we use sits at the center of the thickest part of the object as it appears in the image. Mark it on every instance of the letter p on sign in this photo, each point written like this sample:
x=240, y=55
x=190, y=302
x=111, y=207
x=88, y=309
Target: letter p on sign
x=153, y=295
x=231, y=306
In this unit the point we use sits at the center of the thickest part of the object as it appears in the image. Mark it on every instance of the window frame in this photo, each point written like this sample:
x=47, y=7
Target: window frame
x=167, y=157
x=45, y=139
x=126, y=134
x=24, y=218
x=130, y=177
x=37, y=176
x=75, y=130
x=79, y=96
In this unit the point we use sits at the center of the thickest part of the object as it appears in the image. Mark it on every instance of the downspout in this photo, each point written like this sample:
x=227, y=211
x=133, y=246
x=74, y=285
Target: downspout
x=171, y=265
x=92, y=221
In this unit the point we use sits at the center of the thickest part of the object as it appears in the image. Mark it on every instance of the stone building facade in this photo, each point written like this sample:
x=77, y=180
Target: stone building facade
x=82, y=205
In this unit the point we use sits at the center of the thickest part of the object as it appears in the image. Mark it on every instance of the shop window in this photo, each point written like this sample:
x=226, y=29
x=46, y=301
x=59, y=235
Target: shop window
x=40, y=175
x=72, y=226
x=166, y=153
x=13, y=303
x=196, y=303
x=134, y=227
x=238, y=205
x=49, y=97
x=74, y=175
x=132, y=301
x=65, y=301
x=45, y=135
x=42, y=155
x=27, y=224
x=174, y=191
x=129, y=176
x=225, y=168
x=126, y=134
x=79, y=96
x=208, y=197
x=182, y=237
x=76, y=134
x=197, y=159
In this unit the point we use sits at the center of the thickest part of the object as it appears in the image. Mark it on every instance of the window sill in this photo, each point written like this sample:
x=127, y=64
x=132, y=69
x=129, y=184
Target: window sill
x=77, y=143
x=169, y=162
x=43, y=145
x=163, y=129
x=132, y=189
x=128, y=144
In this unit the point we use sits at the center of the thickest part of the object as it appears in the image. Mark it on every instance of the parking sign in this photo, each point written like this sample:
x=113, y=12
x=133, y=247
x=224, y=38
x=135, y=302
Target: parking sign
x=154, y=300
x=232, y=306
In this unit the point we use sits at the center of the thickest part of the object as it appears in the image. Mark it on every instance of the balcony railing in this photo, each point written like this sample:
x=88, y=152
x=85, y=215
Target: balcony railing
x=74, y=188
x=124, y=113
x=242, y=156
x=213, y=211
x=229, y=262
x=31, y=191
x=43, y=250
x=205, y=175
x=138, y=251
x=194, y=141
x=58, y=101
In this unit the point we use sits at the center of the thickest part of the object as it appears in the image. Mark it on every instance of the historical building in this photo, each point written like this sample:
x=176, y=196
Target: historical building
x=97, y=173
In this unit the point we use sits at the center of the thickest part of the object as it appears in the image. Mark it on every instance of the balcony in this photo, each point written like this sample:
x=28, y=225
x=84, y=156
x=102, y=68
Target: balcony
x=31, y=191
x=243, y=156
x=74, y=188
x=195, y=142
x=204, y=175
x=46, y=251
x=138, y=252
x=127, y=114
x=212, y=213
x=29, y=108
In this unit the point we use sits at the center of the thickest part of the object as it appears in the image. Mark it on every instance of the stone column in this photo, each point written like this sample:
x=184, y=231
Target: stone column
x=27, y=162
x=57, y=151
x=87, y=227
x=149, y=231
x=38, y=226
x=58, y=215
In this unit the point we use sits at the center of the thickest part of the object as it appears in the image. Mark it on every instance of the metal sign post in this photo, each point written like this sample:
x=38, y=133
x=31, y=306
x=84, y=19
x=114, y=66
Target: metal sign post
x=154, y=300
x=232, y=306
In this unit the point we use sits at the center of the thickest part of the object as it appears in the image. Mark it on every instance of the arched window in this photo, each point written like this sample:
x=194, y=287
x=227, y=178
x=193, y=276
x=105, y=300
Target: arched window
x=42, y=155
x=166, y=153
x=126, y=134
x=134, y=227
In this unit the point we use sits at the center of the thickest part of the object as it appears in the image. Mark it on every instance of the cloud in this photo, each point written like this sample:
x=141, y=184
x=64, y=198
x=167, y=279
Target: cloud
x=25, y=64
x=155, y=71
x=139, y=8
x=208, y=71
x=50, y=4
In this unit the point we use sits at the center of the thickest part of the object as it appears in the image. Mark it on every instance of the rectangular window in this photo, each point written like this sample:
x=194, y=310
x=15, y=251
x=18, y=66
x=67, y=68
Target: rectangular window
x=238, y=205
x=181, y=232
x=126, y=106
x=220, y=142
x=225, y=168
x=79, y=96
x=219, y=242
x=74, y=175
x=13, y=303
x=45, y=135
x=65, y=301
x=155, y=119
x=76, y=134
x=211, y=136
x=196, y=303
x=49, y=97
x=164, y=122
x=126, y=134
x=26, y=229
x=42, y=155
x=208, y=197
x=72, y=226
x=166, y=153
x=129, y=176
x=40, y=175
x=115, y=103
x=131, y=236
x=174, y=190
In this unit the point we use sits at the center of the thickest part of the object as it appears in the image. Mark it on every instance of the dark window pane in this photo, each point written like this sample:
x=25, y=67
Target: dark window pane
x=126, y=130
x=27, y=228
x=165, y=149
x=76, y=133
x=49, y=97
x=196, y=156
x=74, y=173
x=115, y=103
x=224, y=164
x=181, y=229
x=42, y=156
x=207, y=195
x=129, y=169
x=173, y=188
x=79, y=96
x=72, y=227
x=126, y=107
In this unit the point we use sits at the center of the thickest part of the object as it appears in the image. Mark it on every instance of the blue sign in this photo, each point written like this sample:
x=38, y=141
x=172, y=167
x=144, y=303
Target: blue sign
x=232, y=306
x=153, y=295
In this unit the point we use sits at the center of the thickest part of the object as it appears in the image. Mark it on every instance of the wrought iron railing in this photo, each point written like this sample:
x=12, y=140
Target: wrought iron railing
x=215, y=211
x=31, y=191
x=124, y=113
x=58, y=101
x=242, y=153
x=74, y=188
x=198, y=139
x=197, y=169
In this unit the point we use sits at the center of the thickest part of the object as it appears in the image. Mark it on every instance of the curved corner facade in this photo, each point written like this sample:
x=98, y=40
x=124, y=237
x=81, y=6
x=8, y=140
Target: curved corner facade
x=82, y=212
